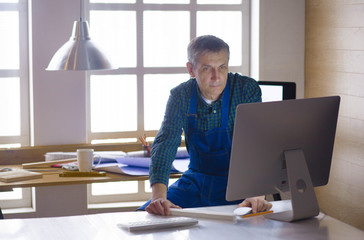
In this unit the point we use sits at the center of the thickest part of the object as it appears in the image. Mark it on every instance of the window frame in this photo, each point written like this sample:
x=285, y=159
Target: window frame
x=22, y=73
x=140, y=195
x=22, y=6
x=24, y=202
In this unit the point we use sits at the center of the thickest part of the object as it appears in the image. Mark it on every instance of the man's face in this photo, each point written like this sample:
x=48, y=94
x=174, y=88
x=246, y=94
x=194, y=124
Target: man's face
x=211, y=72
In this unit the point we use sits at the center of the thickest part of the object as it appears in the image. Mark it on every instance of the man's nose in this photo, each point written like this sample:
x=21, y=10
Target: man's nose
x=214, y=73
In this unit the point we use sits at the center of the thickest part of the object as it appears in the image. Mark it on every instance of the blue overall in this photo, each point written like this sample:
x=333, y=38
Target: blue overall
x=204, y=183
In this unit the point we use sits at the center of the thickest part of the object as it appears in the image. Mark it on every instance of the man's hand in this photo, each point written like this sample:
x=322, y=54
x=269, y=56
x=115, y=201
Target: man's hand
x=160, y=206
x=258, y=204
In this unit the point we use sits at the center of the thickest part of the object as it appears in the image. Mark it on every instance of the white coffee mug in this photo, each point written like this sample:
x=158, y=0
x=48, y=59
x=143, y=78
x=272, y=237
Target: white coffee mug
x=85, y=159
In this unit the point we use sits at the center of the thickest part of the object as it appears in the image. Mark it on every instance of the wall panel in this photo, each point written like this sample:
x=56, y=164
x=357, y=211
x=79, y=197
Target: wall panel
x=334, y=65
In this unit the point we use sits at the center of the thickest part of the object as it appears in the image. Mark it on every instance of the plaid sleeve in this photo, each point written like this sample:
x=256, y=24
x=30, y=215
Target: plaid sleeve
x=244, y=90
x=167, y=141
x=251, y=91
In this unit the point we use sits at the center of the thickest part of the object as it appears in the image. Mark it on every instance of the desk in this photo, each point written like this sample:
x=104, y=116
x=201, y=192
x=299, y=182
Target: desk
x=53, y=179
x=103, y=226
x=55, y=196
x=62, y=196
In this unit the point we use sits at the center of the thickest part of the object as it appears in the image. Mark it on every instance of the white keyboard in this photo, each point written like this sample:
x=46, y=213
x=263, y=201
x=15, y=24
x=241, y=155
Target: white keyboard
x=158, y=223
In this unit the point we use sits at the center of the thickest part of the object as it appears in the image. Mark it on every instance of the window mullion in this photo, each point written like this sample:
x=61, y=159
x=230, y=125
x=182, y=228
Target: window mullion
x=24, y=73
x=193, y=25
x=140, y=68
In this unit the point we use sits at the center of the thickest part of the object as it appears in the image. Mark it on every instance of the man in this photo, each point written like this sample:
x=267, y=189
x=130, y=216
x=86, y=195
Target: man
x=204, y=109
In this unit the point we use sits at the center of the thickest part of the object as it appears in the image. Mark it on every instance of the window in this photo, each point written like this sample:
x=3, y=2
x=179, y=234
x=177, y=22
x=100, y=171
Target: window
x=14, y=88
x=148, y=40
x=16, y=198
x=14, y=130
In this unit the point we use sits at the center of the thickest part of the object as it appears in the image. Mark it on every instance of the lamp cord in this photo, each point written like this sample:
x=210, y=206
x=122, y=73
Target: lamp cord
x=81, y=10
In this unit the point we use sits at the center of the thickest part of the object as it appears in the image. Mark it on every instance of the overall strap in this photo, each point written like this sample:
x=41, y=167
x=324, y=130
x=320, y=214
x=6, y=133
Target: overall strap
x=225, y=106
x=192, y=113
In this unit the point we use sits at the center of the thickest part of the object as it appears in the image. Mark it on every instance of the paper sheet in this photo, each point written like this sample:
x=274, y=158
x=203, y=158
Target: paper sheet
x=179, y=165
x=139, y=166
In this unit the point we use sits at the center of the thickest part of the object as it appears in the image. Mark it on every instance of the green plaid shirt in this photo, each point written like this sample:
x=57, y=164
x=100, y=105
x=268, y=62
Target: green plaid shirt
x=242, y=90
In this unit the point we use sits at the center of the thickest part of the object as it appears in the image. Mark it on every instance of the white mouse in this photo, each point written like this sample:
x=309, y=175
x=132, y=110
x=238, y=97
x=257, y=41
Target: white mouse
x=242, y=211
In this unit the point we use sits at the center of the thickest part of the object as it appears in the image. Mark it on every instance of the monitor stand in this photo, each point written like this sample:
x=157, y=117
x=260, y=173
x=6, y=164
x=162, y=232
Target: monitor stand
x=303, y=197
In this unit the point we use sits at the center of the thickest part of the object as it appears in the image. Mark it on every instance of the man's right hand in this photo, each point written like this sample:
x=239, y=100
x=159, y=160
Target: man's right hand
x=160, y=206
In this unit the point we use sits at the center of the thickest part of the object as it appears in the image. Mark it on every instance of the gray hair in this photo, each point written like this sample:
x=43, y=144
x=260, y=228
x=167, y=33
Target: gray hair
x=203, y=44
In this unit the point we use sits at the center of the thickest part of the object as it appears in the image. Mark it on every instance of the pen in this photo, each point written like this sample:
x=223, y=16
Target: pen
x=146, y=145
x=256, y=214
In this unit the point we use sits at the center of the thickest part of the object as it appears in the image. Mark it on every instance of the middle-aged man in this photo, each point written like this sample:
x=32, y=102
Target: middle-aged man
x=204, y=109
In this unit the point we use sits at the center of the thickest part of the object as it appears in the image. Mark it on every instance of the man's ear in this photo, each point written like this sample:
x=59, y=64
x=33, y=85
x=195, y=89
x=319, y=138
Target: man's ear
x=190, y=69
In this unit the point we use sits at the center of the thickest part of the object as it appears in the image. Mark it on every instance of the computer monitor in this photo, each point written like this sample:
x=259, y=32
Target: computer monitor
x=277, y=91
x=283, y=145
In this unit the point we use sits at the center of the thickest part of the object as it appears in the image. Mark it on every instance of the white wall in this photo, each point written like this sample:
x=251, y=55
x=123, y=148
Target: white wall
x=60, y=97
x=282, y=42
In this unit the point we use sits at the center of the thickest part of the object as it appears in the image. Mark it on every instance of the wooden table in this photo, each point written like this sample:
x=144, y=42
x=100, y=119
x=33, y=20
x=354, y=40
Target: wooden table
x=56, y=196
x=53, y=179
x=62, y=196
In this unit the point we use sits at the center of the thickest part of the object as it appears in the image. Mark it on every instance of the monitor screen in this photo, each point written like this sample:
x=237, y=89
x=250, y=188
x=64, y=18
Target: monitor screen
x=276, y=91
x=266, y=133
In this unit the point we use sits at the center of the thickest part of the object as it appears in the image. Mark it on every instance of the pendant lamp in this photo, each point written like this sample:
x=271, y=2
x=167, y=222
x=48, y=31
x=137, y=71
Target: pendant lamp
x=80, y=52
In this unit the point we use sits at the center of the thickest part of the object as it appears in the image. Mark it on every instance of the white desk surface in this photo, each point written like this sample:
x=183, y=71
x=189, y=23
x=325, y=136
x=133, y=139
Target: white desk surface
x=103, y=226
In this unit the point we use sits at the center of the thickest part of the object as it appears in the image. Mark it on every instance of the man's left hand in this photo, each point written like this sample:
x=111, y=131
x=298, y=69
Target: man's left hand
x=258, y=204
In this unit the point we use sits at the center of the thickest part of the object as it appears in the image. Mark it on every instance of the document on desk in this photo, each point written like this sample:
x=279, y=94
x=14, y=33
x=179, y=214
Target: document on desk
x=178, y=165
x=136, y=164
x=122, y=169
x=205, y=212
x=139, y=166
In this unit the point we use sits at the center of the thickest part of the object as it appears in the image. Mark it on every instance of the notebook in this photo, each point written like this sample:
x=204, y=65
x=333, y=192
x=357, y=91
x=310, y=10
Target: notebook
x=18, y=175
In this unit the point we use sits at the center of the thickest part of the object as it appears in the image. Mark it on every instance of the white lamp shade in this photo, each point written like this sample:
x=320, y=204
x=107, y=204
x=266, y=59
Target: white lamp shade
x=79, y=53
